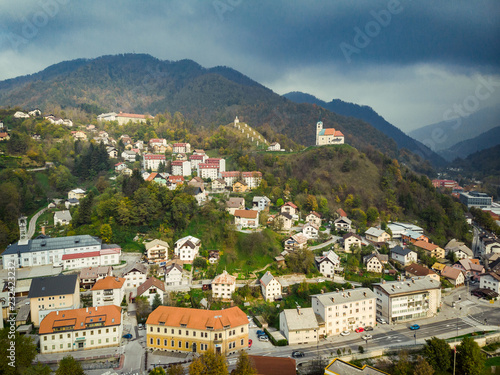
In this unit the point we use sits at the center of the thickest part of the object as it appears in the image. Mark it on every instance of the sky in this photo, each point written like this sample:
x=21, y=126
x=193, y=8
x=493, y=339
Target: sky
x=414, y=62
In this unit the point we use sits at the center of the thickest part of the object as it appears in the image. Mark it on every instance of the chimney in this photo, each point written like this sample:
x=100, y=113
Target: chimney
x=348, y=294
x=117, y=278
x=413, y=281
x=87, y=309
x=43, y=230
x=364, y=294
x=383, y=281
x=333, y=299
x=298, y=310
x=96, y=308
x=57, y=312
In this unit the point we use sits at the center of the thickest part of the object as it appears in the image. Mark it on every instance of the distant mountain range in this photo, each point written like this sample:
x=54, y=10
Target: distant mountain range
x=367, y=114
x=445, y=134
x=481, y=164
x=463, y=149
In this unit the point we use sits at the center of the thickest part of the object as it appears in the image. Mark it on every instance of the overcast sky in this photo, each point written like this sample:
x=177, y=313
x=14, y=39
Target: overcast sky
x=412, y=61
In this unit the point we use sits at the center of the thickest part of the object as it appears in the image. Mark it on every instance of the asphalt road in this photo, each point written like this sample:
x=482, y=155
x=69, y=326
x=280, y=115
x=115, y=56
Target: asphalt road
x=32, y=224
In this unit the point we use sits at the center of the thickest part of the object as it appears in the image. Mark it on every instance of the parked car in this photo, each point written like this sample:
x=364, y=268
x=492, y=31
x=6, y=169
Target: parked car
x=368, y=328
x=359, y=329
x=298, y=354
x=366, y=337
x=263, y=338
x=250, y=343
x=345, y=333
x=414, y=327
x=381, y=321
x=260, y=332
x=140, y=326
x=127, y=336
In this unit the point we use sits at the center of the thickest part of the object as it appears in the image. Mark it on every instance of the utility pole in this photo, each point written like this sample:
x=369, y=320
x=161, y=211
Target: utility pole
x=454, y=358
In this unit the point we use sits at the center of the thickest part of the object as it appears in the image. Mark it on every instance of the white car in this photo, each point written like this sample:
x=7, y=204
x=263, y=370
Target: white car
x=345, y=333
x=366, y=337
x=381, y=321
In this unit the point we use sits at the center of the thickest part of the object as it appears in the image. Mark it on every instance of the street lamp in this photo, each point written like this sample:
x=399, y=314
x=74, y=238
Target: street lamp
x=415, y=336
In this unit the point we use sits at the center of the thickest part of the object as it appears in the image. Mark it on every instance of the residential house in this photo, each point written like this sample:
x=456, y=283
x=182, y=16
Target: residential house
x=328, y=263
x=341, y=213
x=187, y=248
x=196, y=159
x=80, y=329
x=351, y=239
x=417, y=270
x=179, y=329
x=377, y=235
x=181, y=148
x=234, y=204
x=290, y=209
x=4, y=136
x=157, y=145
x=129, y=156
x=310, y=230
x=173, y=182
x=150, y=288
x=458, y=248
x=120, y=166
x=409, y=236
x=213, y=256
x=283, y=221
x=62, y=217
x=230, y=177
x=270, y=287
x=112, y=152
x=218, y=185
x=300, y=326
x=198, y=193
x=470, y=268
x=401, y=301
x=79, y=135
x=373, y=263
x=314, y=218
x=181, y=168
x=252, y=179
x=340, y=367
x=223, y=286
x=453, y=275
x=261, y=203
x=199, y=151
x=156, y=251
x=134, y=275
x=432, y=250
x=246, y=218
x=108, y=291
x=76, y=194
x=89, y=275
x=438, y=267
x=53, y=293
x=404, y=256
x=490, y=280
x=173, y=275
x=275, y=146
x=153, y=161
x=342, y=224
x=240, y=187
x=296, y=242
x=345, y=310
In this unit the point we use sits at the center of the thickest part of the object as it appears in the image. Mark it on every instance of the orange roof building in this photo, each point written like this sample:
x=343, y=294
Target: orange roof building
x=193, y=330
x=433, y=249
x=108, y=291
x=328, y=136
x=79, y=329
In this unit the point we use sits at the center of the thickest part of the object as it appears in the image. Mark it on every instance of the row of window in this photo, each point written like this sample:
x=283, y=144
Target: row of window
x=187, y=344
x=99, y=341
x=84, y=333
x=202, y=334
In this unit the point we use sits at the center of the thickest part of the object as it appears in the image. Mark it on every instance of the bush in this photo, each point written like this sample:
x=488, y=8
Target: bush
x=361, y=349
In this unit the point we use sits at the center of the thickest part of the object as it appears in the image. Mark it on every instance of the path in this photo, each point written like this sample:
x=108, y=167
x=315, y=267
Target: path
x=325, y=244
x=32, y=225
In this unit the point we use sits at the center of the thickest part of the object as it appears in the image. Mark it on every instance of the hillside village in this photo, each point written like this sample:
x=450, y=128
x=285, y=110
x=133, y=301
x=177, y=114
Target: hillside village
x=223, y=260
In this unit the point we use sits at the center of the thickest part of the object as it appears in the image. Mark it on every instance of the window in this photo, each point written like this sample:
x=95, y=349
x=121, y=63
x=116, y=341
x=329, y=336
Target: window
x=165, y=342
x=107, y=330
x=242, y=340
x=151, y=341
x=187, y=345
x=60, y=346
x=99, y=331
x=99, y=341
x=53, y=346
x=44, y=338
x=114, y=329
x=158, y=342
x=172, y=343
x=180, y=344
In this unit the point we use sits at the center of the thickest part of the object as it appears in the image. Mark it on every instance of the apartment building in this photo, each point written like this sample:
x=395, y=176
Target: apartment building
x=300, y=326
x=187, y=248
x=157, y=251
x=108, y=291
x=223, y=286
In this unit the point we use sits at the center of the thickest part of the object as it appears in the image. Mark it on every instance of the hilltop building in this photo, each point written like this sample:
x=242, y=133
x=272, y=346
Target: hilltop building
x=328, y=136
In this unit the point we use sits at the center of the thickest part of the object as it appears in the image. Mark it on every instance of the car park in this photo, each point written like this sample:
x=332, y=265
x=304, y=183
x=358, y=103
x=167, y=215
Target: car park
x=414, y=327
x=345, y=333
x=359, y=329
x=366, y=337
x=298, y=354
x=368, y=328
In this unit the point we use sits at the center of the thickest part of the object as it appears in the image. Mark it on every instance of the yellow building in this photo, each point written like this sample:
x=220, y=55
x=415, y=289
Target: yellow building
x=240, y=187
x=192, y=330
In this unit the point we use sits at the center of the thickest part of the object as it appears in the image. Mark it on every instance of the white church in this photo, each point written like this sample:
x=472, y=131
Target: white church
x=328, y=136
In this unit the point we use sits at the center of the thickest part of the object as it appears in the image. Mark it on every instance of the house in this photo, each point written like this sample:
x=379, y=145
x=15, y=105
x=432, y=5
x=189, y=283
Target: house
x=173, y=182
x=266, y=365
x=275, y=146
x=438, y=267
x=409, y=236
x=328, y=263
x=342, y=224
x=490, y=280
x=398, y=228
x=107, y=255
x=296, y=242
x=343, y=303
x=213, y=256
x=310, y=230
x=173, y=275
x=470, y=269
x=89, y=275
x=252, y=179
x=187, y=330
x=157, y=145
x=79, y=135
x=76, y=194
x=475, y=199
x=240, y=187
x=187, y=248
x=20, y=114
x=120, y=166
x=53, y=293
x=270, y=287
x=433, y=250
x=230, y=177
x=283, y=221
x=112, y=152
x=234, y=204
x=4, y=136
x=181, y=168
x=134, y=274
x=197, y=159
x=351, y=239
x=129, y=156
x=458, y=248
x=80, y=329
x=341, y=213
x=328, y=136
x=62, y=217
x=124, y=118
x=404, y=255
x=377, y=235
x=223, y=286
x=246, y=218
x=299, y=326
x=261, y=203
x=218, y=185
x=290, y=209
x=153, y=161
x=453, y=275
x=108, y=291
x=401, y=301
x=181, y=148
x=417, y=270
x=150, y=288
x=340, y=367
x=373, y=263
x=314, y=218
x=156, y=251
x=198, y=193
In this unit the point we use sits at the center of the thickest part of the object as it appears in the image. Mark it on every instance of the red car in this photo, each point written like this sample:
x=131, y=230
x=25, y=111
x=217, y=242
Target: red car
x=250, y=343
x=359, y=330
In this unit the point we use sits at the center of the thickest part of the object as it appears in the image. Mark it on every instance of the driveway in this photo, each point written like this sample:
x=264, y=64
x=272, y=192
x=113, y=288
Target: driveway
x=32, y=224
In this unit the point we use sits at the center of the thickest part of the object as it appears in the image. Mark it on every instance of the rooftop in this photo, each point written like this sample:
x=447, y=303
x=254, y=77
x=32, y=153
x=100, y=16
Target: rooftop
x=53, y=286
x=109, y=282
x=56, y=243
x=300, y=319
x=408, y=286
x=350, y=295
x=150, y=282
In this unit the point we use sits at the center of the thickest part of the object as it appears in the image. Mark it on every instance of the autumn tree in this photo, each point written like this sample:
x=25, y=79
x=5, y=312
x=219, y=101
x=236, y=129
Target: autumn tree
x=106, y=233
x=175, y=369
x=470, y=359
x=244, y=366
x=69, y=366
x=423, y=367
x=438, y=354
x=209, y=363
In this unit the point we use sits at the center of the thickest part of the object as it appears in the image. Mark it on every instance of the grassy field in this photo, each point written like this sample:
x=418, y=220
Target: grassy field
x=490, y=362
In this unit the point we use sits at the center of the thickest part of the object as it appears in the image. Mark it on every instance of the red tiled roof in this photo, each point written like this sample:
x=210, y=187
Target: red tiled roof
x=81, y=255
x=154, y=157
x=176, y=179
x=208, y=166
x=273, y=365
x=251, y=174
x=290, y=204
x=150, y=282
x=248, y=214
x=426, y=245
x=132, y=115
x=109, y=282
x=230, y=174
x=341, y=212
x=180, y=144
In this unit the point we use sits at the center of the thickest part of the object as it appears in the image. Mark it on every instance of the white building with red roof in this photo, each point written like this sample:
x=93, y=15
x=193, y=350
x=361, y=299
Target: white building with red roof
x=181, y=168
x=221, y=163
x=246, y=218
x=151, y=287
x=196, y=159
x=328, y=136
x=124, y=118
x=152, y=161
x=184, y=148
x=106, y=256
x=208, y=171
x=230, y=177
x=223, y=286
x=252, y=179
x=108, y=291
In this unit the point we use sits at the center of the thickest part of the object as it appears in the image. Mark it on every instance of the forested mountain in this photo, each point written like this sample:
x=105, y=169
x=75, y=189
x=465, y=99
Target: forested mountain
x=367, y=114
x=445, y=134
x=207, y=97
x=481, y=164
x=462, y=149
